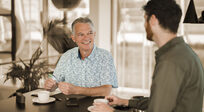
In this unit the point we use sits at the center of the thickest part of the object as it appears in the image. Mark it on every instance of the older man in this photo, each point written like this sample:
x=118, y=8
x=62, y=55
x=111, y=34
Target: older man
x=85, y=69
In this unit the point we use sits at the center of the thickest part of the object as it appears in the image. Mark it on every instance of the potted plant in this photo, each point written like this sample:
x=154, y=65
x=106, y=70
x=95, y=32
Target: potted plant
x=28, y=73
x=66, y=4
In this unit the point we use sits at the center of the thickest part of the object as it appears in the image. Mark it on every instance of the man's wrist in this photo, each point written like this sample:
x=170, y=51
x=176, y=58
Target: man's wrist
x=77, y=90
x=125, y=102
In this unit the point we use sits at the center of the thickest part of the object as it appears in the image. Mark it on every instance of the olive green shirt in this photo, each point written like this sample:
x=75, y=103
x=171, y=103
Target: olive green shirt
x=178, y=80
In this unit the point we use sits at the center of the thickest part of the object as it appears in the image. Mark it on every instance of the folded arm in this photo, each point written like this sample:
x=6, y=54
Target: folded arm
x=95, y=91
x=68, y=88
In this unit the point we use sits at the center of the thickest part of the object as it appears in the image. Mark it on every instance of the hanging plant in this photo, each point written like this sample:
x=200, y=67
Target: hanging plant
x=66, y=4
x=59, y=36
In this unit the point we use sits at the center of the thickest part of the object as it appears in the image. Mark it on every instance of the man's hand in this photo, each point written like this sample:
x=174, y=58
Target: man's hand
x=67, y=88
x=101, y=107
x=49, y=84
x=114, y=100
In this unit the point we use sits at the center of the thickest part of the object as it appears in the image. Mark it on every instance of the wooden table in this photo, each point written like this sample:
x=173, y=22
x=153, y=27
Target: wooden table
x=10, y=105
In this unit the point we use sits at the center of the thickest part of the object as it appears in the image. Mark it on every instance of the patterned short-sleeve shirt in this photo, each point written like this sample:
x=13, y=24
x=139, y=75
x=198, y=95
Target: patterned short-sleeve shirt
x=96, y=70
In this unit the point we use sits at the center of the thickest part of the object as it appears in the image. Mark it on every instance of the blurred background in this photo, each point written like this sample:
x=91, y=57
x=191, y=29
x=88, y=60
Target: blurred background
x=27, y=24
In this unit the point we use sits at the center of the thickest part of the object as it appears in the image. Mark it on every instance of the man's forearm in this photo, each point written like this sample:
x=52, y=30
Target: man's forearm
x=95, y=91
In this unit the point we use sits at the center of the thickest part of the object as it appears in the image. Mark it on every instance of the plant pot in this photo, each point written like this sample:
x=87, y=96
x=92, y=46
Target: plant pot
x=20, y=90
x=66, y=4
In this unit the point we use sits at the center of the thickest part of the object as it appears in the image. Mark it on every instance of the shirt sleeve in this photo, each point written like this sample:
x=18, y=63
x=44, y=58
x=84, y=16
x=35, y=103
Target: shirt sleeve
x=139, y=103
x=123, y=111
x=108, y=75
x=166, y=83
x=136, y=104
x=59, y=70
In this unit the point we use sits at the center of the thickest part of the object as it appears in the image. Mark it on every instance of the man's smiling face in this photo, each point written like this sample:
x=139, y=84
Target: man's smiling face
x=84, y=36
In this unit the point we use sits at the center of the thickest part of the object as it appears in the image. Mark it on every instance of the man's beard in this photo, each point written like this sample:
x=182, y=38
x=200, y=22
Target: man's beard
x=149, y=32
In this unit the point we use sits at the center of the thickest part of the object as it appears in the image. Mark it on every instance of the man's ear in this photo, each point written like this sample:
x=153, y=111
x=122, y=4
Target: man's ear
x=153, y=20
x=73, y=37
x=94, y=34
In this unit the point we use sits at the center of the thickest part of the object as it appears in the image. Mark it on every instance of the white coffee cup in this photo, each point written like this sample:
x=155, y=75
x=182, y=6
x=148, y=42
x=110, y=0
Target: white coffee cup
x=99, y=100
x=43, y=96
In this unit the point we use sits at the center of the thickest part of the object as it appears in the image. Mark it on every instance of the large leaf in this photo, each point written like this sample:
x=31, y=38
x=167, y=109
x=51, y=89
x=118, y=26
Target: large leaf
x=59, y=36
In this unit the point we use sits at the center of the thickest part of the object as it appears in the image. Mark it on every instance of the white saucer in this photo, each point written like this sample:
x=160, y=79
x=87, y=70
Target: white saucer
x=90, y=108
x=36, y=100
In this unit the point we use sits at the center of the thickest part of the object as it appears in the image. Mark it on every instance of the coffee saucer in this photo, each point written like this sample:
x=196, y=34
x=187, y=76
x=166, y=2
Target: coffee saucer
x=36, y=100
x=90, y=108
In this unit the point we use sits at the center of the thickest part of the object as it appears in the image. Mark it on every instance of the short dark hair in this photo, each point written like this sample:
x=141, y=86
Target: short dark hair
x=82, y=20
x=168, y=12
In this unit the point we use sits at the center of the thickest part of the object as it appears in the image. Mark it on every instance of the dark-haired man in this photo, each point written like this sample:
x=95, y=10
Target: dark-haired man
x=178, y=78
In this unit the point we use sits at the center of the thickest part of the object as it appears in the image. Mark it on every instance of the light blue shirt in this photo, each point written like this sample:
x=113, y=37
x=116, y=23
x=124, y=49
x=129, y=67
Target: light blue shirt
x=96, y=70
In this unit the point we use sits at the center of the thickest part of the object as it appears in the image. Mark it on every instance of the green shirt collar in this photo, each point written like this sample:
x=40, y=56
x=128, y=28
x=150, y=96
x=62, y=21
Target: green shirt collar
x=168, y=46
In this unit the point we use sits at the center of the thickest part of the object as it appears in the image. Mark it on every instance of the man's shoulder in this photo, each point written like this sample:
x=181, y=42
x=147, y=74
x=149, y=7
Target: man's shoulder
x=73, y=50
x=103, y=52
x=70, y=52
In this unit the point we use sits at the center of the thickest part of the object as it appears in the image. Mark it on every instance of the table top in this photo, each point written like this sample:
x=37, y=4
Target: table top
x=10, y=105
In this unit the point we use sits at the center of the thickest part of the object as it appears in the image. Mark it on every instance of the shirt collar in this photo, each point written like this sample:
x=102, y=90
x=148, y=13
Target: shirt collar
x=91, y=56
x=165, y=48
